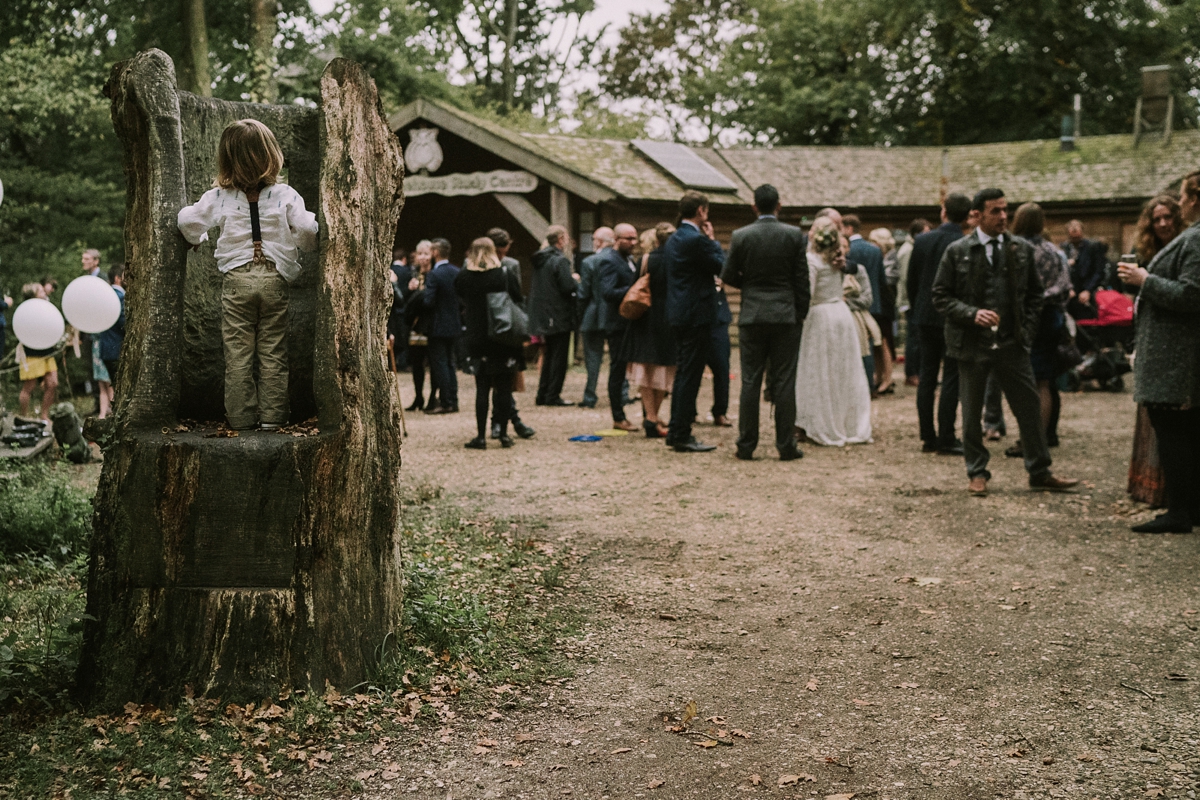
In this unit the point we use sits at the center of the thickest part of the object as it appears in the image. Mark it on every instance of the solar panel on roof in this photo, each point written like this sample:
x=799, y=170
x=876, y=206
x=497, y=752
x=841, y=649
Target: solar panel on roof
x=681, y=162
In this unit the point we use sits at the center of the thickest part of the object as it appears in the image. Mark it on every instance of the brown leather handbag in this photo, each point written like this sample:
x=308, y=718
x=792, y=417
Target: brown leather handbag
x=636, y=302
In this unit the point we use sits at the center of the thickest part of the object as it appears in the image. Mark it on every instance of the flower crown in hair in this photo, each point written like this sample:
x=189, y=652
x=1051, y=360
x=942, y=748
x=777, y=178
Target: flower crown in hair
x=826, y=239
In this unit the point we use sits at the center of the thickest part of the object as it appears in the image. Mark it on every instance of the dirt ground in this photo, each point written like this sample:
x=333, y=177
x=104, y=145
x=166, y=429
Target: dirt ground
x=853, y=622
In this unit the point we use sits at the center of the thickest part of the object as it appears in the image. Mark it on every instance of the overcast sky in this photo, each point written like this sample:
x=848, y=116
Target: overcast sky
x=612, y=12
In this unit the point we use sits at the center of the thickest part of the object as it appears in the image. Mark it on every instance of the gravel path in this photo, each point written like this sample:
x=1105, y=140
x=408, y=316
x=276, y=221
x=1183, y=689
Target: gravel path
x=852, y=623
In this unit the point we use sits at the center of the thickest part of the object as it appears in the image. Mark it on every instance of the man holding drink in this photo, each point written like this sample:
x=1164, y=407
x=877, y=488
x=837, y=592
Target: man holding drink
x=988, y=290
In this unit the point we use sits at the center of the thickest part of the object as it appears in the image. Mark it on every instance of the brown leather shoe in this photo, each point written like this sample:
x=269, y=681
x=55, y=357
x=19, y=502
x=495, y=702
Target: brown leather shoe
x=624, y=425
x=978, y=486
x=1049, y=483
x=722, y=422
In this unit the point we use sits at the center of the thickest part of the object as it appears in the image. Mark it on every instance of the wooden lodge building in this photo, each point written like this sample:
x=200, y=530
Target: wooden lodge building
x=466, y=175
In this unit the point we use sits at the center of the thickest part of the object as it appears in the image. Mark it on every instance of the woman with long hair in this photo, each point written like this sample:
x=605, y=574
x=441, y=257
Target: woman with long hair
x=1167, y=368
x=1051, y=264
x=496, y=364
x=420, y=320
x=1161, y=221
x=649, y=346
x=886, y=352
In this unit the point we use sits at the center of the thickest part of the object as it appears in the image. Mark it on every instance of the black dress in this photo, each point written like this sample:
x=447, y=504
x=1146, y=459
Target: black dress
x=473, y=287
x=650, y=340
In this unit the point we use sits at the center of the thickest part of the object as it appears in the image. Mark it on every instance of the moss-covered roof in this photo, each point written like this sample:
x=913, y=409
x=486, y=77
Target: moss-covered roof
x=1102, y=169
x=1099, y=169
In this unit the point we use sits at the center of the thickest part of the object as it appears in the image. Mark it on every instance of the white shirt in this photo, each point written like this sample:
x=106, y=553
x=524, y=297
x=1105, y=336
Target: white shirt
x=286, y=225
x=985, y=239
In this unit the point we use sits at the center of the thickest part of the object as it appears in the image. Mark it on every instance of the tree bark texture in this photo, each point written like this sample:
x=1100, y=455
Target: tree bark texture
x=263, y=87
x=243, y=567
x=194, y=73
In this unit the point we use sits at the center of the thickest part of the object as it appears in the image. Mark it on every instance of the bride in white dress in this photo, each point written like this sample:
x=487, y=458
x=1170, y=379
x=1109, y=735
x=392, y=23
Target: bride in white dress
x=833, y=399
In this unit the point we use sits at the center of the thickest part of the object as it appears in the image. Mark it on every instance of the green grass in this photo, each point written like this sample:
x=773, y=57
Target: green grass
x=489, y=606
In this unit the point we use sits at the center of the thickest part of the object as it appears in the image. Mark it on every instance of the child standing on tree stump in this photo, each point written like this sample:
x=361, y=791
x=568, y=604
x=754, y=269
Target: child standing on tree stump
x=262, y=224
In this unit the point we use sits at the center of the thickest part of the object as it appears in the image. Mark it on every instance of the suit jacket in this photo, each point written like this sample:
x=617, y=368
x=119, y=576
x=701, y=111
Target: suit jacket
x=871, y=258
x=922, y=267
x=693, y=260
x=552, y=293
x=767, y=262
x=1167, y=368
x=397, y=324
x=590, y=301
x=442, y=300
x=616, y=275
x=960, y=287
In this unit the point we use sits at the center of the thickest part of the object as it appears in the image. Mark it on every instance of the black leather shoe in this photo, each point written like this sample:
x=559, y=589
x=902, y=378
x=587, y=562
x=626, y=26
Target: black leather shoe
x=743, y=455
x=1016, y=451
x=651, y=429
x=523, y=430
x=443, y=410
x=495, y=430
x=478, y=443
x=588, y=404
x=954, y=449
x=417, y=405
x=506, y=441
x=1163, y=523
x=558, y=401
x=431, y=406
x=929, y=447
x=694, y=446
x=791, y=455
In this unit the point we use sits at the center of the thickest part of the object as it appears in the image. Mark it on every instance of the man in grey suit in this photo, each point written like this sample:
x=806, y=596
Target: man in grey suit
x=767, y=261
x=590, y=303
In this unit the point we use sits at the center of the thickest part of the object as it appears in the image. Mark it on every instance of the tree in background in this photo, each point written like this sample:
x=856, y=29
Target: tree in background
x=61, y=167
x=517, y=52
x=877, y=71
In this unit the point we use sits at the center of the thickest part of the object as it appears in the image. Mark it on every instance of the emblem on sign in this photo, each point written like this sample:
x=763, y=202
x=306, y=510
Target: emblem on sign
x=423, y=153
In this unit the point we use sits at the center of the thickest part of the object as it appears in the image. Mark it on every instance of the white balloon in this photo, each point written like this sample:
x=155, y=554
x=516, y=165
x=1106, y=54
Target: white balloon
x=37, y=324
x=90, y=304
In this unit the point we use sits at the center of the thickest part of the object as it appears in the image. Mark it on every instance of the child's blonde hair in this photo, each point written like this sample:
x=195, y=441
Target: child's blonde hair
x=248, y=156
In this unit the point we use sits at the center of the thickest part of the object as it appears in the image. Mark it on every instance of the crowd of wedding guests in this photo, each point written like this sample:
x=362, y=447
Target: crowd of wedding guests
x=989, y=308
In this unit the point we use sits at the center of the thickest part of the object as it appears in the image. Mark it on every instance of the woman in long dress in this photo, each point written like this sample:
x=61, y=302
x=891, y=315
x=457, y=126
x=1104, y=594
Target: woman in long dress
x=1161, y=221
x=833, y=398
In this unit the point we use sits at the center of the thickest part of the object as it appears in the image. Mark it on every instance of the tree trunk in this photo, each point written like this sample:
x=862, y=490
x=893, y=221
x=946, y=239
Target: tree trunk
x=194, y=75
x=243, y=567
x=511, y=7
x=263, y=86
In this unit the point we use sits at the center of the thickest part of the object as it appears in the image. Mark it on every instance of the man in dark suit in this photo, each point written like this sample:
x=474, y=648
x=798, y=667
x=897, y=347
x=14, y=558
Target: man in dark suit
x=988, y=289
x=616, y=273
x=693, y=257
x=552, y=312
x=1087, y=264
x=928, y=324
x=767, y=261
x=871, y=258
x=590, y=305
x=441, y=298
x=401, y=276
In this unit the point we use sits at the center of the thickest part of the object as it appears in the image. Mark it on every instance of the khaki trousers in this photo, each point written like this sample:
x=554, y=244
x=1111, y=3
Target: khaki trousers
x=254, y=306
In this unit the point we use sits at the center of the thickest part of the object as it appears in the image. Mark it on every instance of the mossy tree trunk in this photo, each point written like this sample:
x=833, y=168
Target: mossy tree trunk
x=243, y=567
